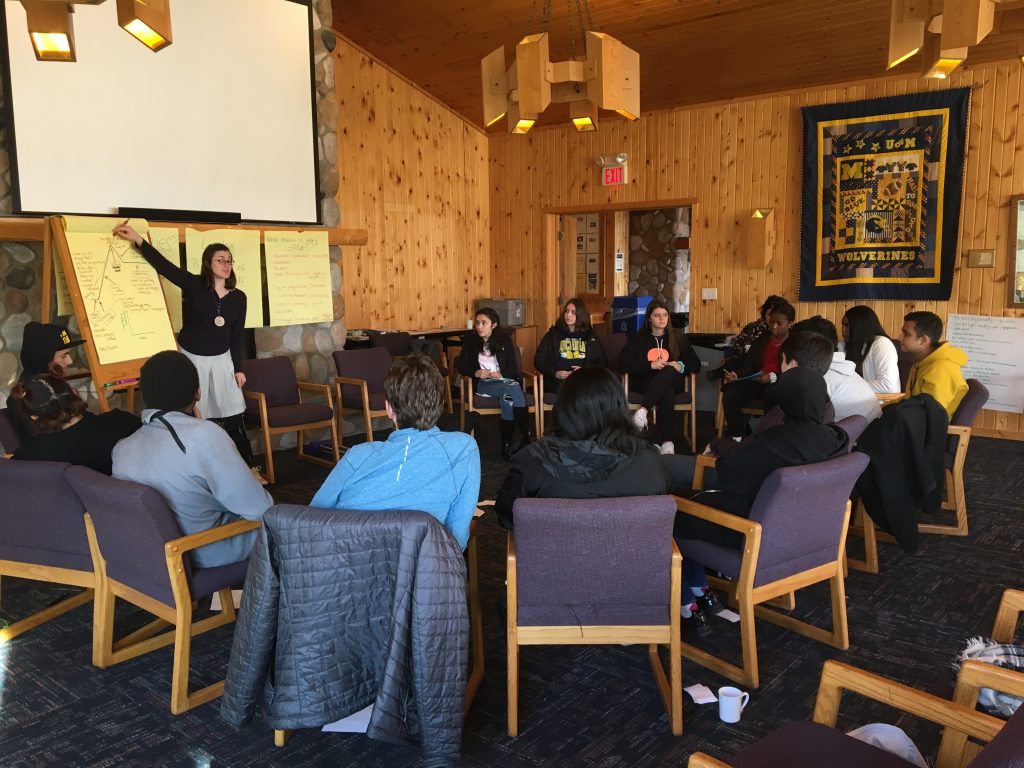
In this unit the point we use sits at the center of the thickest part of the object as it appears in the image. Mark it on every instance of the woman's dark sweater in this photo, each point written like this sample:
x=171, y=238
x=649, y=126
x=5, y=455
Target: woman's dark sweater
x=89, y=442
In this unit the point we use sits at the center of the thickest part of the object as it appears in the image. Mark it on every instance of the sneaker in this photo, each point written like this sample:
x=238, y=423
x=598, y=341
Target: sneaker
x=640, y=419
x=667, y=448
x=710, y=604
x=696, y=623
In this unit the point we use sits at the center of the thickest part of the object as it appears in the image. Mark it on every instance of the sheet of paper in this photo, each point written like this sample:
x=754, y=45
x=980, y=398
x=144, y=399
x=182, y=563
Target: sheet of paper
x=165, y=240
x=995, y=356
x=357, y=722
x=236, y=598
x=244, y=245
x=701, y=694
x=124, y=303
x=298, y=277
x=728, y=615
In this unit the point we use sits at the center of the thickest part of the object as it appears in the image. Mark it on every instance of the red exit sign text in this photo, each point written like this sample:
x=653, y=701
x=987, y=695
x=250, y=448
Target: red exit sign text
x=613, y=176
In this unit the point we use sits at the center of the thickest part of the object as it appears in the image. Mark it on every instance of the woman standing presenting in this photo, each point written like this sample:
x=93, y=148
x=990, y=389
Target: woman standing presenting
x=211, y=331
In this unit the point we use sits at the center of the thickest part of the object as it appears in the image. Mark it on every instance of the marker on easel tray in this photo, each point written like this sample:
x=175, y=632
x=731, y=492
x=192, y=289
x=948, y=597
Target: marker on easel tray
x=119, y=382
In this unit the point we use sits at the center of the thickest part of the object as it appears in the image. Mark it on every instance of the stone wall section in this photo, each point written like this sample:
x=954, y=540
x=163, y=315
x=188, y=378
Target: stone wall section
x=654, y=262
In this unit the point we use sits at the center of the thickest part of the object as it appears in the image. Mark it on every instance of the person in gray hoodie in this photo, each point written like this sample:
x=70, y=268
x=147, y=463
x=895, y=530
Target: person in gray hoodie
x=193, y=463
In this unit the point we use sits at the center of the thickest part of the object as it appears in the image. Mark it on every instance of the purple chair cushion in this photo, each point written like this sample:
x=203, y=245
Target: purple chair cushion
x=132, y=523
x=965, y=414
x=397, y=344
x=274, y=377
x=9, y=440
x=482, y=401
x=803, y=744
x=41, y=516
x=549, y=398
x=853, y=426
x=293, y=415
x=370, y=365
x=635, y=398
x=684, y=398
x=206, y=581
x=1006, y=750
x=575, y=566
x=612, y=343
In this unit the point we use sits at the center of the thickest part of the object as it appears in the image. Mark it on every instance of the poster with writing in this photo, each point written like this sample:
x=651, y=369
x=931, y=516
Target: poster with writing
x=244, y=245
x=165, y=240
x=123, y=300
x=298, y=277
x=995, y=356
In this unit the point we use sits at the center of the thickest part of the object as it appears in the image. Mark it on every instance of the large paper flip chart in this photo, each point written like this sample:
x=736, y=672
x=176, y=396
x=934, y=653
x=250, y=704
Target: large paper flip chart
x=120, y=292
x=995, y=356
x=165, y=240
x=298, y=277
x=244, y=245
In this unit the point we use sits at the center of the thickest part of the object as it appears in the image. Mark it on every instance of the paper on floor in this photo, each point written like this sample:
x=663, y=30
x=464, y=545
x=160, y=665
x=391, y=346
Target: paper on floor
x=236, y=598
x=728, y=615
x=354, y=723
x=701, y=694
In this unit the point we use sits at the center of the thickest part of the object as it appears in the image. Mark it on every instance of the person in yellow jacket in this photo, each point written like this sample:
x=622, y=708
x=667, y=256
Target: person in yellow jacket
x=938, y=370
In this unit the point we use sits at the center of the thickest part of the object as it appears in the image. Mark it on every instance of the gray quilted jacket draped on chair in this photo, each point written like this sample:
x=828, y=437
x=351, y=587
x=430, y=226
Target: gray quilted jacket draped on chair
x=345, y=609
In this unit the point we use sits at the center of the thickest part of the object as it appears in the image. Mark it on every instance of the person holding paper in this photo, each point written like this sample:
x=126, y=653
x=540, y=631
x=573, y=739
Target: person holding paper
x=213, y=321
x=657, y=360
x=749, y=376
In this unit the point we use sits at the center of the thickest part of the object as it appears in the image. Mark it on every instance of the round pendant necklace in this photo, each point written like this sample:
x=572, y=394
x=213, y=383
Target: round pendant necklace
x=219, y=320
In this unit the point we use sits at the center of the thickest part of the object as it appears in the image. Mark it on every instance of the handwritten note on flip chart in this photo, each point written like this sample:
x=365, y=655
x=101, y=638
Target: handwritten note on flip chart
x=244, y=245
x=165, y=240
x=298, y=277
x=121, y=292
x=995, y=356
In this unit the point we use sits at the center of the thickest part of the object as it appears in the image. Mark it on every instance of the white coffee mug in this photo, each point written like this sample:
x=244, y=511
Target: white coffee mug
x=731, y=702
x=469, y=325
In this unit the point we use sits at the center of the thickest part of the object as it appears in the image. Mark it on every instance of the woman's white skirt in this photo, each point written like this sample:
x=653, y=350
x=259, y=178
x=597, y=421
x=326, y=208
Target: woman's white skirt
x=221, y=395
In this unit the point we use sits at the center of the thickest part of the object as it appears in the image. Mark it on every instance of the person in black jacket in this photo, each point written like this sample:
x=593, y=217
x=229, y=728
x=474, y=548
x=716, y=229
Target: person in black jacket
x=213, y=322
x=593, y=451
x=657, y=359
x=748, y=377
x=570, y=344
x=61, y=429
x=802, y=438
x=489, y=356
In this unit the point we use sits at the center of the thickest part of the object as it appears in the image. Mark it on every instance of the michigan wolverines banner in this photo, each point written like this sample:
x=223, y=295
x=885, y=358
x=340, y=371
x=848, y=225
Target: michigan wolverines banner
x=881, y=197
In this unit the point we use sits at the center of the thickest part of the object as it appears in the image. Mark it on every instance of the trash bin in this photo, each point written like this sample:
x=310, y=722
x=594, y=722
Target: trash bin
x=628, y=313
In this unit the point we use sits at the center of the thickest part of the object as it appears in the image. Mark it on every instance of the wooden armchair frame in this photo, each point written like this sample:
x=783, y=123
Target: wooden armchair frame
x=689, y=424
x=955, y=500
x=300, y=449
x=54, y=575
x=367, y=412
x=107, y=652
x=720, y=413
x=670, y=688
x=476, y=633
x=749, y=598
x=958, y=717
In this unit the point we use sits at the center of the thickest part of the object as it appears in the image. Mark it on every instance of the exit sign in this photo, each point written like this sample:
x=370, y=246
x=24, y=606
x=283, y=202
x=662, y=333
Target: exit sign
x=613, y=176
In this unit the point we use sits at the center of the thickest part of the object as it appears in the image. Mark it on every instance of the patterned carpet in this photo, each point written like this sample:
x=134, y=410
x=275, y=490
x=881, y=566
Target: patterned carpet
x=579, y=706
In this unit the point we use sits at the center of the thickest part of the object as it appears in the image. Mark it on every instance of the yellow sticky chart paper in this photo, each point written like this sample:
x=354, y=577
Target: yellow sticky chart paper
x=123, y=301
x=64, y=307
x=244, y=245
x=298, y=277
x=165, y=240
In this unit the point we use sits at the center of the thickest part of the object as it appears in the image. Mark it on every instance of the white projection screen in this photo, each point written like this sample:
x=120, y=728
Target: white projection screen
x=221, y=120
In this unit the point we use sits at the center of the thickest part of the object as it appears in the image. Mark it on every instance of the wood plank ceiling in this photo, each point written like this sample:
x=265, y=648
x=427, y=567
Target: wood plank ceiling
x=691, y=51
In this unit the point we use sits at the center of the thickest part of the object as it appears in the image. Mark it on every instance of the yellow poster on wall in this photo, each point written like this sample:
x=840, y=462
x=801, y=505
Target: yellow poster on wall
x=298, y=277
x=165, y=240
x=123, y=301
x=244, y=245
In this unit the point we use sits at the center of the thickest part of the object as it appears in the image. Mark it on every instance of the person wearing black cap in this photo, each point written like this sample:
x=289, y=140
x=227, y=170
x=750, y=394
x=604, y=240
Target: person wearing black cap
x=46, y=348
x=211, y=331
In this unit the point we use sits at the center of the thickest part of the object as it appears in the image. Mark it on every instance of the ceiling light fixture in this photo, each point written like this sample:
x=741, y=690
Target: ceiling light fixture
x=148, y=21
x=607, y=77
x=944, y=30
x=52, y=29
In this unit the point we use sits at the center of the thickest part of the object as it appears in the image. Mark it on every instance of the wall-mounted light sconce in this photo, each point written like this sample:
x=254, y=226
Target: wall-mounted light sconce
x=609, y=160
x=148, y=21
x=760, y=231
x=52, y=29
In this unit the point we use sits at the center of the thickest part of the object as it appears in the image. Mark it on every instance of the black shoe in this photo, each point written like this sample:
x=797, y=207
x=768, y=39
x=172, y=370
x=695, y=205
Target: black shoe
x=710, y=604
x=506, y=451
x=696, y=623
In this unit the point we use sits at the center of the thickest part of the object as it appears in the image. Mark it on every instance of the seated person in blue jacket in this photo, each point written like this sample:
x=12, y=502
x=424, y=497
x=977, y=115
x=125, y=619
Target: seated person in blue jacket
x=747, y=378
x=192, y=462
x=418, y=467
x=658, y=359
x=802, y=438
